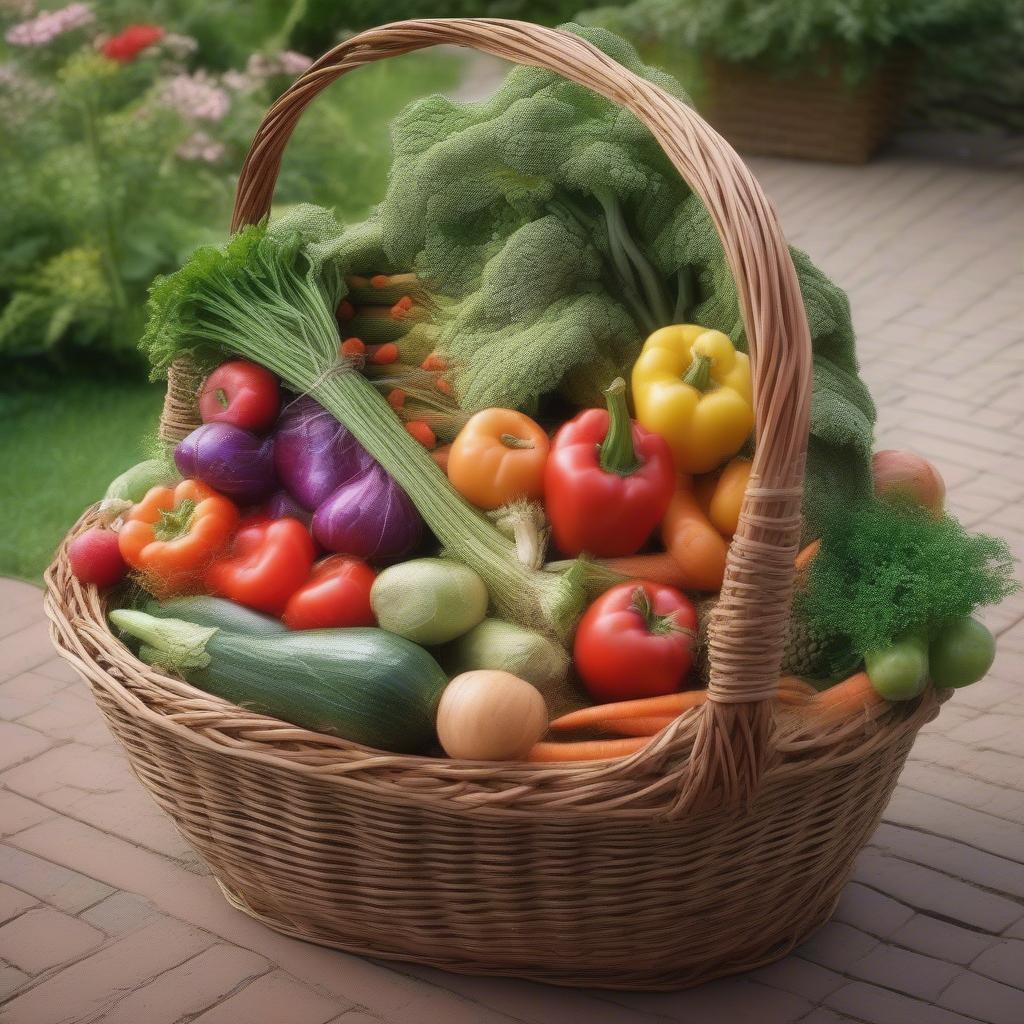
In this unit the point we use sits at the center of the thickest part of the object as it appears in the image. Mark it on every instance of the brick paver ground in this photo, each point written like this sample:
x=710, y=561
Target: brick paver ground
x=106, y=914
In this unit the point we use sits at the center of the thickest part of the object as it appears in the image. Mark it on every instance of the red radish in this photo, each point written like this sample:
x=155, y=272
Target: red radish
x=96, y=558
x=906, y=473
x=241, y=393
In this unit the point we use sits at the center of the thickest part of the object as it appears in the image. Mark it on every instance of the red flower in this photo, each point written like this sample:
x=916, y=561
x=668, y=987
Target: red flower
x=129, y=43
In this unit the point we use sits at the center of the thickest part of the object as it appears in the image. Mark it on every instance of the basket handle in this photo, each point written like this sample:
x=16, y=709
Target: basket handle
x=730, y=747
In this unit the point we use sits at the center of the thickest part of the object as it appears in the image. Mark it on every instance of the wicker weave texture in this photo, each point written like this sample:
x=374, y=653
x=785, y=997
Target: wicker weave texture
x=715, y=849
x=809, y=116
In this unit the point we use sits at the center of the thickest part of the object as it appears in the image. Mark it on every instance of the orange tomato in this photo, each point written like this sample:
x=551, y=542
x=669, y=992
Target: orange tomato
x=498, y=456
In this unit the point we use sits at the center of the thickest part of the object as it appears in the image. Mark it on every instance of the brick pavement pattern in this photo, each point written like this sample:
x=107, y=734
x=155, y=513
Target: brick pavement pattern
x=107, y=915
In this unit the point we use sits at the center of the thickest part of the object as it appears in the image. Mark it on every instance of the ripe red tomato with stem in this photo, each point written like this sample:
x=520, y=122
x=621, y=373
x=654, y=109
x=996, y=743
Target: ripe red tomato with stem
x=241, y=393
x=636, y=640
x=337, y=593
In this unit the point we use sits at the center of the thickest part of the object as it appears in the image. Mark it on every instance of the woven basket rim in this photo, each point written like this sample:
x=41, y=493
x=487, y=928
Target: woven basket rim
x=82, y=635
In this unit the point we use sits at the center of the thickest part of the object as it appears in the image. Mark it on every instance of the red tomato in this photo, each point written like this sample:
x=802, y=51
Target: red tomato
x=242, y=393
x=636, y=640
x=337, y=593
x=95, y=557
x=268, y=562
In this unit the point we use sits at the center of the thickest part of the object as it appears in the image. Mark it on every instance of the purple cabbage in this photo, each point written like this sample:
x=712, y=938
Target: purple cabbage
x=314, y=454
x=281, y=505
x=231, y=460
x=369, y=516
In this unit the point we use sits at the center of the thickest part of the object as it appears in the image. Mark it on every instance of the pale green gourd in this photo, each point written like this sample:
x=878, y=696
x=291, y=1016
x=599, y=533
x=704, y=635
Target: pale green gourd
x=429, y=600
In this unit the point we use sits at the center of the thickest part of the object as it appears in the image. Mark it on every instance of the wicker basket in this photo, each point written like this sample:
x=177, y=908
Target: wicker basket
x=717, y=848
x=811, y=116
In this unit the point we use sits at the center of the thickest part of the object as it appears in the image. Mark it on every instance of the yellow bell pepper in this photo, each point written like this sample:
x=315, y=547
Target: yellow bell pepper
x=692, y=387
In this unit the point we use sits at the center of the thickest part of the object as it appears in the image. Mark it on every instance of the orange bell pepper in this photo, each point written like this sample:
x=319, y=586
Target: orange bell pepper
x=498, y=457
x=173, y=534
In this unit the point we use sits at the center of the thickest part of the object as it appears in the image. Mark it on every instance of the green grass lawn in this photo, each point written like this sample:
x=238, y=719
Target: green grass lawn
x=60, y=447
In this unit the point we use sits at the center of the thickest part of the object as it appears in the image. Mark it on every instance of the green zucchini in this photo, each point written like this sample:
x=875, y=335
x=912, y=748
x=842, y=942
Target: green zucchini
x=364, y=685
x=203, y=610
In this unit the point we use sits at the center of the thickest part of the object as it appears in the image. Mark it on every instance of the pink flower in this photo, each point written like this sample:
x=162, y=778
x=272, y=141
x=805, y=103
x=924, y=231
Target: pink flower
x=293, y=63
x=47, y=25
x=196, y=97
x=199, y=146
x=179, y=46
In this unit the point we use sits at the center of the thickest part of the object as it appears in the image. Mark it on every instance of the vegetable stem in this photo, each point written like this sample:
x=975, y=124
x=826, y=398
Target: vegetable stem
x=175, y=522
x=618, y=454
x=699, y=374
x=511, y=441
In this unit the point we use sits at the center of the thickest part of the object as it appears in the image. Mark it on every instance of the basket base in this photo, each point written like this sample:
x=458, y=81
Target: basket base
x=637, y=981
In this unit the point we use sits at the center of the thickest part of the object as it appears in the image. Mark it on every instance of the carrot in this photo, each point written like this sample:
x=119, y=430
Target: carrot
x=698, y=548
x=845, y=699
x=401, y=307
x=422, y=433
x=440, y=456
x=587, y=750
x=642, y=725
x=672, y=704
x=381, y=355
x=396, y=398
x=704, y=490
x=443, y=386
x=345, y=310
x=379, y=280
x=353, y=347
x=659, y=568
x=793, y=690
x=434, y=362
x=806, y=556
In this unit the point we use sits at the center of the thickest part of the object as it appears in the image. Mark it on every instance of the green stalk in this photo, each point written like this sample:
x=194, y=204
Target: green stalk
x=686, y=294
x=699, y=374
x=654, y=289
x=621, y=280
x=618, y=453
x=269, y=313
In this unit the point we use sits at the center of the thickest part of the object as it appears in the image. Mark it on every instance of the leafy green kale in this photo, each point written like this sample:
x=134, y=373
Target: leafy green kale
x=885, y=568
x=556, y=235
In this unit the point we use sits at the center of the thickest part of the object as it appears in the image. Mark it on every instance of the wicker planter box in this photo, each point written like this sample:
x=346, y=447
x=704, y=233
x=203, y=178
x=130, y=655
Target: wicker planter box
x=809, y=116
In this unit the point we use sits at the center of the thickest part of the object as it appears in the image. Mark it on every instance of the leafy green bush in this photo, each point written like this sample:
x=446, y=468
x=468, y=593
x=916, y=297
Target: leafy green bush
x=318, y=24
x=793, y=35
x=120, y=154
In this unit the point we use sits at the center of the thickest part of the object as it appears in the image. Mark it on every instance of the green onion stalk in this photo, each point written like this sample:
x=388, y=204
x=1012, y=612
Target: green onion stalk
x=262, y=298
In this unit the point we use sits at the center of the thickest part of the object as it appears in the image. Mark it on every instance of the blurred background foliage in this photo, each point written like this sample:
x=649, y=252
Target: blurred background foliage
x=123, y=125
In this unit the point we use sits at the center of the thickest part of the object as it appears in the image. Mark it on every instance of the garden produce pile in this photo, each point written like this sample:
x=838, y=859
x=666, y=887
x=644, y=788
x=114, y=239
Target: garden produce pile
x=467, y=472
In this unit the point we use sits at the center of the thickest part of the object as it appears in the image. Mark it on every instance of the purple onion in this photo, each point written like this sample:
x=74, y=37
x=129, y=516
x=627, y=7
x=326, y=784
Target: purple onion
x=281, y=505
x=314, y=454
x=230, y=460
x=369, y=516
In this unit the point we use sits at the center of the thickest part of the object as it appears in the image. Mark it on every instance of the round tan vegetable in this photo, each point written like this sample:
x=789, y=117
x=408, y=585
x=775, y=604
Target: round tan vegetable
x=905, y=473
x=489, y=715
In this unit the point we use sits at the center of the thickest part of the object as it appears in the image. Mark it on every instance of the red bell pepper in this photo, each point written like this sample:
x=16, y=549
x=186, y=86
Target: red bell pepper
x=268, y=562
x=337, y=593
x=607, y=482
